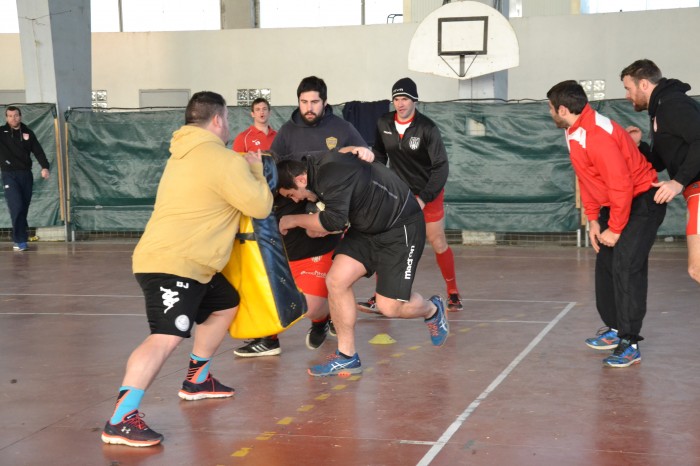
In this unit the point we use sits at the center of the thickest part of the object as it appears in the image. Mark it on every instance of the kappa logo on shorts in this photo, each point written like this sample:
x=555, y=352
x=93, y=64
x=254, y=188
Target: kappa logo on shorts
x=170, y=298
x=414, y=143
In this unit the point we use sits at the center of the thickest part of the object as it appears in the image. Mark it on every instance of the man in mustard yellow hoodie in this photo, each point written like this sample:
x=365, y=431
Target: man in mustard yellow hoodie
x=177, y=262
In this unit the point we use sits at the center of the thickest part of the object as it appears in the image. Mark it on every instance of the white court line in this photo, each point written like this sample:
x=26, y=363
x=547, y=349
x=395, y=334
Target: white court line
x=501, y=321
x=74, y=295
x=65, y=314
x=513, y=301
x=447, y=435
x=141, y=296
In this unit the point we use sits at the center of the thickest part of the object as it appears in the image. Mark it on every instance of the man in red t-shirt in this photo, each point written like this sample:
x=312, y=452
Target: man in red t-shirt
x=617, y=192
x=259, y=135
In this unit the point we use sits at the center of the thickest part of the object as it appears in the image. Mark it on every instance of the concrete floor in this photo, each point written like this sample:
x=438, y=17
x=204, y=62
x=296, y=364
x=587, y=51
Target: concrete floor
x=513, y=385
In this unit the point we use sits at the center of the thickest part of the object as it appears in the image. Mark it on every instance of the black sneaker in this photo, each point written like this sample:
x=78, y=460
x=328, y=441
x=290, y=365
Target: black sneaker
x=316, y=334
x=331, y=329
x=369, y=306
x=259, y=347
x=210, y=388
x=132, y=431
x=454, y=303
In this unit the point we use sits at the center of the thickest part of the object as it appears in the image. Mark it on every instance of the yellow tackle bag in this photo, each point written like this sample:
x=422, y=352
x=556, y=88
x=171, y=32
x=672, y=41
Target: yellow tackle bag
x=259, y=270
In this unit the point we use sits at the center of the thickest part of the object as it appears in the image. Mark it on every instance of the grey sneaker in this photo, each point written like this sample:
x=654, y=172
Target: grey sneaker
x=132, y=431
x=210, y=388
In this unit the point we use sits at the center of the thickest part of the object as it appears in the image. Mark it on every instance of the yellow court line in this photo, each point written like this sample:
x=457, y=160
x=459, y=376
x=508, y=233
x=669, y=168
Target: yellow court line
x=242, y=452
x=324, y=396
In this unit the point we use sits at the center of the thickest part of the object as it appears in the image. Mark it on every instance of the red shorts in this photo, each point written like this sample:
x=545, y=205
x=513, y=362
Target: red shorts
x=310, y=274
x=692, y=196
x=434, y=211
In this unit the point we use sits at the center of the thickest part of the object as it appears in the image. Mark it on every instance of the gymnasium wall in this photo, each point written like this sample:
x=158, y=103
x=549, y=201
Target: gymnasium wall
x=362, y=62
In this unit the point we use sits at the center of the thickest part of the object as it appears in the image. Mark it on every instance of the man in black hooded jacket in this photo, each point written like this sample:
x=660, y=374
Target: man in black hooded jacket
x=674, y=120
x=17, y=143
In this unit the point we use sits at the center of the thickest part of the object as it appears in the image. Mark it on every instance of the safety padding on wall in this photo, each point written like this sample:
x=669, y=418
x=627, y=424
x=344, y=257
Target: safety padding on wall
x=116, y=159
x=509, y=164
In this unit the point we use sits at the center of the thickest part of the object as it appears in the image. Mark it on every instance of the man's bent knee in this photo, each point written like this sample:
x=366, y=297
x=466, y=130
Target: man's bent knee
x=694, y=272
x=388, y=307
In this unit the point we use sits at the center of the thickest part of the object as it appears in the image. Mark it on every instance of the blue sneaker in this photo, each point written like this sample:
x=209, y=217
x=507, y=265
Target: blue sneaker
x=624, y=355
x=438, y=326
x=605, y=339
x=20, y=247
x=337, y=365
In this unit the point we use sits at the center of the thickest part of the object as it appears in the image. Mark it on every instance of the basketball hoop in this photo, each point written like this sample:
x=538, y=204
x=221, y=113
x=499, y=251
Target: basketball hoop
x=462, y=37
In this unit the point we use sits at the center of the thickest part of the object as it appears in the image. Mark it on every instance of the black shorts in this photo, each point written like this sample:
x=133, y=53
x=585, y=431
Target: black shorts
x=393, y=255
x=174, y=304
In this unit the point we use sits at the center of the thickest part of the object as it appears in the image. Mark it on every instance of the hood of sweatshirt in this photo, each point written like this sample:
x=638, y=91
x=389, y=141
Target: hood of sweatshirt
x=666, y=89
x=188, y=138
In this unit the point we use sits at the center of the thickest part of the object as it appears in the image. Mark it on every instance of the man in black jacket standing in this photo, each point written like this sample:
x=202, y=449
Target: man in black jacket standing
x=386, y=235
x=17, y=143
x=674, y=120
x=413, y=147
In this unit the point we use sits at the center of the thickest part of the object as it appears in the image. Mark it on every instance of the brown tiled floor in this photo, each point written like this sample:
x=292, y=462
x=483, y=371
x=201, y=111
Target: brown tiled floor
x=514, y=384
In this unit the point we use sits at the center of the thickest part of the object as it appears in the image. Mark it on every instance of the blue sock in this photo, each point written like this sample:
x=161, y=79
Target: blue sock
x=128, y=400
x=199, y=369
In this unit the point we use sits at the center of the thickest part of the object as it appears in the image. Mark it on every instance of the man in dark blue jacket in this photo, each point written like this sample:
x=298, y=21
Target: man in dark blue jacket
x=312, y=130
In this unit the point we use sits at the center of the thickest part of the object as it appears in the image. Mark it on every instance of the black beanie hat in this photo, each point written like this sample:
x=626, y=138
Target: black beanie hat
x=405, y=86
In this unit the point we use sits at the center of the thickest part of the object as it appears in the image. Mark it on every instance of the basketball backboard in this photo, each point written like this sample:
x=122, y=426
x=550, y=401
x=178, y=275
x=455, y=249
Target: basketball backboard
x=463, y=40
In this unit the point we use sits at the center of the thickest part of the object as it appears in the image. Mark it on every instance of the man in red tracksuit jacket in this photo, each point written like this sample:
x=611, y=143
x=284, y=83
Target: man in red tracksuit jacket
x=618, y=199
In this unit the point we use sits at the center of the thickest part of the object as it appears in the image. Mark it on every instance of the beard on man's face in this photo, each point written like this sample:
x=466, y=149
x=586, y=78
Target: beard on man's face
x=311, y=119
x=640, y=106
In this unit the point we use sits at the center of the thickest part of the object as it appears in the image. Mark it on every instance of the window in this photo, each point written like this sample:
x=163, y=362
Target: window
x=613, y=6
x=319, y=13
